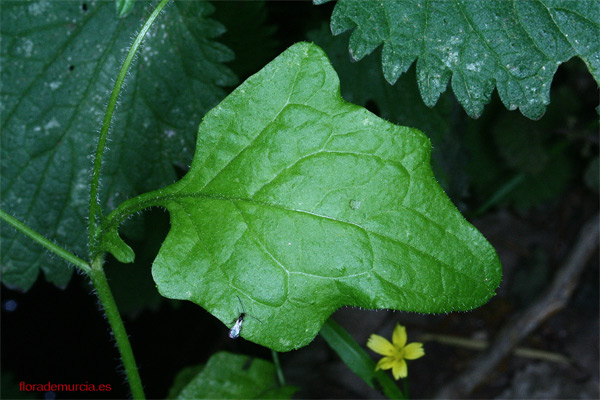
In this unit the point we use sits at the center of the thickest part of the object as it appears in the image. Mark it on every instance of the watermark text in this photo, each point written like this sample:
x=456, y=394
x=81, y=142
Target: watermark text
x=64, y=387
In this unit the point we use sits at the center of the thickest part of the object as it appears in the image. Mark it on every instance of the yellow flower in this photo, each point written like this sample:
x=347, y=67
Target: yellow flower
x=396, y=352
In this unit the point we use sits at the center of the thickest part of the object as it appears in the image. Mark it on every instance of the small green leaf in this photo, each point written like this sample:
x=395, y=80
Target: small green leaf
x=298, y=203
x=515, y=46
x=124, y=7
x=231, y=376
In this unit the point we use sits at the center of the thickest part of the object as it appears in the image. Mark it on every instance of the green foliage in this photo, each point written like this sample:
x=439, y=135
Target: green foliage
x=357, y=359
x=513, y=46
x=506, y=147
x=363, y=84
x=298, y=203
x=57, y=71
x=155, y=225
x=124, y=7
x=230, y=376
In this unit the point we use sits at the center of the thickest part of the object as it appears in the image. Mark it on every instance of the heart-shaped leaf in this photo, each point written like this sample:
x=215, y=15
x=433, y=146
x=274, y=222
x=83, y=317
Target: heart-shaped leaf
x=298, y=203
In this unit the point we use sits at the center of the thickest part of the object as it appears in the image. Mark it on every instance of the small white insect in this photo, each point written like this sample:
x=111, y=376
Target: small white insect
x=234, y=332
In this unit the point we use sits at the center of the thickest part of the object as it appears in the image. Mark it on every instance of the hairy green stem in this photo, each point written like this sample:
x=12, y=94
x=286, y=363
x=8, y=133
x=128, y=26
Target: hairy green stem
x=116, y=324
x=94, y=207
x=54, y=248
x=132, y=206
x=96, y=273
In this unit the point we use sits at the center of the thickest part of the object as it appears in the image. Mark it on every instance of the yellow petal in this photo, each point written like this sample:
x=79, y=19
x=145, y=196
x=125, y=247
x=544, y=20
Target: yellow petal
x=399, y=370
x=412, y=351
x=385, y=363
x=399, y=336
x=380, y=345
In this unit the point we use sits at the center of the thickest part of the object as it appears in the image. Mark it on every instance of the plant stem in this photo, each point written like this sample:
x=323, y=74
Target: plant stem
x=54, y=248
x=116, y=324
x=96, y=273
x=278, y=368
x=94, y=207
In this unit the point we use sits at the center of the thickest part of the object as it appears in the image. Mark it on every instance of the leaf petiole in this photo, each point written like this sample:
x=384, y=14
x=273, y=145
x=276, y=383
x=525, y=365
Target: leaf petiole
x=96, y=273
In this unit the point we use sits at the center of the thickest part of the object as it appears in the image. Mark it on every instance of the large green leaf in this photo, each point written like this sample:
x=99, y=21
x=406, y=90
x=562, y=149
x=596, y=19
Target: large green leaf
x=59, y=62
x=298, y=203
x=363, y=84
x=230, y=376
x=515, y=46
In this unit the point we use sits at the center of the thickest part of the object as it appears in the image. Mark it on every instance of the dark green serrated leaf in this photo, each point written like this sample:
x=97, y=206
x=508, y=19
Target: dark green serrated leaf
x=233, y=376
x=515, y=46
x=59, y=62
x=298, y=203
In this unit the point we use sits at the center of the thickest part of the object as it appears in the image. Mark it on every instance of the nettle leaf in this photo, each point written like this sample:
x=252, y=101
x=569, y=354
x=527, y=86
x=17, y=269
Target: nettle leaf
x=515, y=46
x=59, y=62
x=230, y=376
x=298, y=203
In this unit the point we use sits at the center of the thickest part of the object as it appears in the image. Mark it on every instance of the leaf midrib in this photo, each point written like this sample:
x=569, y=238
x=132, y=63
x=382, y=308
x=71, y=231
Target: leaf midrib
x=166, y=199
x=288, y=272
